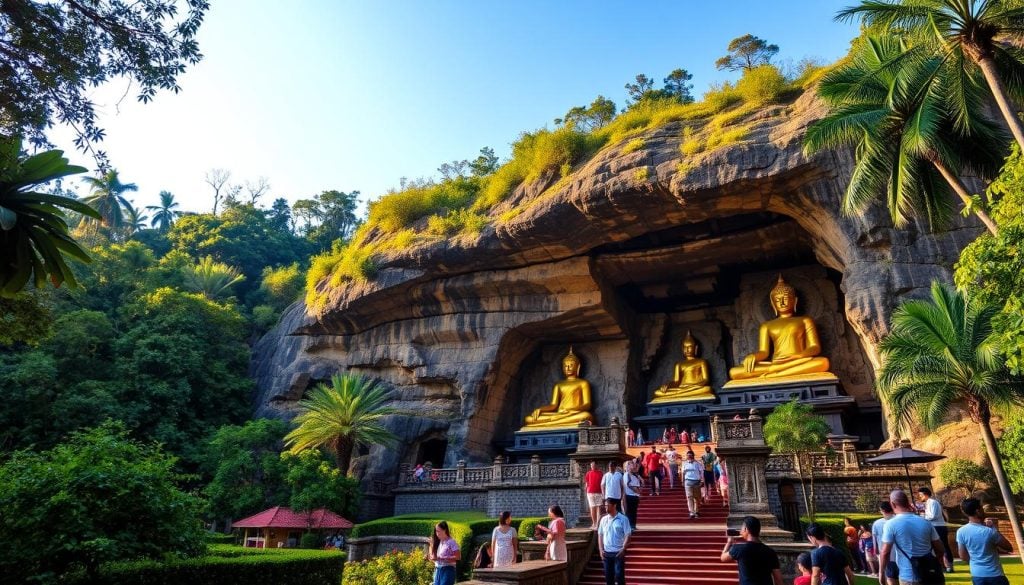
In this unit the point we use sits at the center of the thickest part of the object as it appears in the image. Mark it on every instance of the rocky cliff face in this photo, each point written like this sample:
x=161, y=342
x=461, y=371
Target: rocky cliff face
x=619, y=259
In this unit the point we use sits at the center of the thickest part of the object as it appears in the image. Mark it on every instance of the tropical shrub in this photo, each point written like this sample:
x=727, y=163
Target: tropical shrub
x=964, y=474
x=393, y=568
x=867, y=502
x=761, y=85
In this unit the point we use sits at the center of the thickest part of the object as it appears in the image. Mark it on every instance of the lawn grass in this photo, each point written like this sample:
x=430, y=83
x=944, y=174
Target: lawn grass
x=1011, y=565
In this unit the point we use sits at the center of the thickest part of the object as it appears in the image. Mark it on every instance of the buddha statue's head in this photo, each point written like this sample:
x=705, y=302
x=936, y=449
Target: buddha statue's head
x=689, y=346
x=571, y=364
x=783, y=298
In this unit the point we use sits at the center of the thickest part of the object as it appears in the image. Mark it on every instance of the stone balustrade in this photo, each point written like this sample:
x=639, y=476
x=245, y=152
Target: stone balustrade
x=497, y=473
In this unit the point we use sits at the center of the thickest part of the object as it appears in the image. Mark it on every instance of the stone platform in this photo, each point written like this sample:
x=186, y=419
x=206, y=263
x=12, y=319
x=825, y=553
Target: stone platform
x=822, y=391
x=544, y=442
x=690, y=414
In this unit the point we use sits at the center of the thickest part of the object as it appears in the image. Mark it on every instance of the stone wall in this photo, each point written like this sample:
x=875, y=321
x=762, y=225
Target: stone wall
x=410, y=501
x=535, y=501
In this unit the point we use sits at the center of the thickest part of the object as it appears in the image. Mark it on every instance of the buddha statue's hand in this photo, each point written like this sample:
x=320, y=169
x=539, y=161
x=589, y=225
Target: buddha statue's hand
x=750, y=362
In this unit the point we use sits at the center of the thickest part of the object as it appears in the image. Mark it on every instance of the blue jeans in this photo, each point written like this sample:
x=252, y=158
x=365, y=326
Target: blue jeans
x=444, y=575
x=614, y=569
x=990, y=580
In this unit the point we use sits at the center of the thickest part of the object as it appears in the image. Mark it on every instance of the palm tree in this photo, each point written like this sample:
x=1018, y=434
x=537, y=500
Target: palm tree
x=893, y=104
x=341, y=417
x=211, y=278
x=961, y=32
x=108, y=197
x=940, y=352
x=134, y=220
x=33, y=230
x=165, y=213
x=793, y=428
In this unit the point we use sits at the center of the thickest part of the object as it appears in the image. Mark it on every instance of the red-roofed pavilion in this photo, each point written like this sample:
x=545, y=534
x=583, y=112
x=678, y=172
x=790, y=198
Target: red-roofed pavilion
x=280, y=526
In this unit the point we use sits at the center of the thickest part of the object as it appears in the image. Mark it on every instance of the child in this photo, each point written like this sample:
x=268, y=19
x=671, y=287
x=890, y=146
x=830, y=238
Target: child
x=867, y=548
x=803, y=564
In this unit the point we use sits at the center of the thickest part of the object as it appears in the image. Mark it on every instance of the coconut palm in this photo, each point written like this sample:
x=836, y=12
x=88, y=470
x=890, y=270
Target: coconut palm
x=33, y=230
x=165, y=213
x=892, y=103
x=134, y=220
x=341, y=417
x=941, y=352
x=211, y=278
x=962, y=32
x=107, y=197
x=793, y=428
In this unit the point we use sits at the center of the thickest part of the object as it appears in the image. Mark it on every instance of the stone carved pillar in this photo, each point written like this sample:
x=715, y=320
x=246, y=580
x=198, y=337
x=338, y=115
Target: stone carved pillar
x=848, y=448
x=460, y=472
x=535, y=468
x=499, y=462
x=741, y=443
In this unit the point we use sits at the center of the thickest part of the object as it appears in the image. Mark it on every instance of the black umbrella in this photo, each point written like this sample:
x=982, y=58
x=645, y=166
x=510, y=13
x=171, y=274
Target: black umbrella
x=906, y=456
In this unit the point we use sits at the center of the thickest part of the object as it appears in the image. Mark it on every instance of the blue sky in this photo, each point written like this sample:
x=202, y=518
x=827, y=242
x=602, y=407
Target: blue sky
x=354, y=95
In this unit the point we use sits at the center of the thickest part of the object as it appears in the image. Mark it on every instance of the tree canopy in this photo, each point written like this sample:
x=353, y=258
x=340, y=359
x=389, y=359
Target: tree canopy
x=747, y=52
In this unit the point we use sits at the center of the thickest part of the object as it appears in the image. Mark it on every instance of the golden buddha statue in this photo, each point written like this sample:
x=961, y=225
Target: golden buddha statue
x=787, y=346
x=690, y=378
x=570, y=402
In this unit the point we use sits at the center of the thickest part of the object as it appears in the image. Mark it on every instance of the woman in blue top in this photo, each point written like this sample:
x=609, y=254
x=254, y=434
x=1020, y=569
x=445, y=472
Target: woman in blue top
x=980, y=543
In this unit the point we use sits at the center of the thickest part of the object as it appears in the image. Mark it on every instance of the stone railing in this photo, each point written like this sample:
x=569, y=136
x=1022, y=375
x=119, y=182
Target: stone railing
x=497, y=473
x=846, y=459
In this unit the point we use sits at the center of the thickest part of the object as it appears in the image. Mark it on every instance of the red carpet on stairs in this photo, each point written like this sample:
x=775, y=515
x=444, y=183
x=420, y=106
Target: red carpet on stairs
x=670, y=549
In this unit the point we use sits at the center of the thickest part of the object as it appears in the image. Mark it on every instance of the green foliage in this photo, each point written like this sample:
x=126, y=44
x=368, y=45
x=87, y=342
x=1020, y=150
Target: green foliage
x=747, y=52
x=99, y=497
x=245, y=465
x=833, y=525
x=23, y=319
x=106, y=195
x=634, y=145
x=314, y=483
x=34, y=237
x=228, y=565
x=283, y=285
x=461, y=532
x=964, y=474
x=598, y=114
x=166, y=213
x=867, y=503
x=310, y=540
x=462, y=221
x=992, y=266
x=1011, y=446
x=527, y=526
x=794, y=428
x=341, y=417
x=398, y=210
x=761, y=85
x=393, y=568
x=56, y=54
x=211, y=279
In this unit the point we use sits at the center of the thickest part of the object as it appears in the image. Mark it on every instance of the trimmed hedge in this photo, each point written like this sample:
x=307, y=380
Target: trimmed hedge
x=394, y=568
x=833, y=525
x=221, y=538
x=528, y=525
x=228, y=565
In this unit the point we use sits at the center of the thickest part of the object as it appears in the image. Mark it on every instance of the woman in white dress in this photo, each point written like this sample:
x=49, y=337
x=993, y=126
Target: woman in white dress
x=556, y=535
x=504, y=542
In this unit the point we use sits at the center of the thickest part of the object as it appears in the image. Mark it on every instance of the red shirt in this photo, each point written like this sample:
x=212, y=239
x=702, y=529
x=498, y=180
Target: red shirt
x=802, y=580
x=653, y=461
x=593, y=481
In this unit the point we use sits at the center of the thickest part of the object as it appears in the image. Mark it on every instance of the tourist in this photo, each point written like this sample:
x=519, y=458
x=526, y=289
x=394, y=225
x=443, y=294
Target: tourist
x=979, y=543
x=803, y=566
x=555, y=530
x=693, y=474
x=723, y=481
x=853, y=544
x=672, y=435
x=612, y=540
x=672, y=460
x=638, y=465
x=418, y=473
x=664, y=436
x=907, y=536
x=933, y=513
x=505, y=542
x=611, y=484
x=828, y=565
x=639, y=437
x=708, y=459
x=684, y=438
x=631, y=437
x=592, y=481
x=631, y=489
x=868, y=551
x=886, y=573
x=444, y=551
x=653, y=464
x=757, y=562
x=483, y=558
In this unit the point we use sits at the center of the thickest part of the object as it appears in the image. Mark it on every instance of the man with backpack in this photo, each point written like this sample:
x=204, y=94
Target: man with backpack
x=909, y=540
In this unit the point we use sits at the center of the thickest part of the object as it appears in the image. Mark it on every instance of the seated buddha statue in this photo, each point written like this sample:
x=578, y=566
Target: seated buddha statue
x=690, y=377
x=787, y=346
x=570, y=401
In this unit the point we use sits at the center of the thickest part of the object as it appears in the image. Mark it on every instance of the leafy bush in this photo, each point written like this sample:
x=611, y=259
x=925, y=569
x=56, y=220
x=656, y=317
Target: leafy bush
x=394, y=568
x=720, y=97
x=833, y=525
x=964, y=474
x=461, y=532
x=282, y=286
x=98, y=497
x=1011, y=444
x=310, y=540
x=460, y=221
x=227, y=565
x=761, y=85
x=397, y=210
x=633, y=145
x=528, y=525
x=220, y=538
x=867, y=502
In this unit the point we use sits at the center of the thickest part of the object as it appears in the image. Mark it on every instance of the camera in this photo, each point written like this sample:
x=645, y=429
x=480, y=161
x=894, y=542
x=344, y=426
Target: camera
x=732, y=532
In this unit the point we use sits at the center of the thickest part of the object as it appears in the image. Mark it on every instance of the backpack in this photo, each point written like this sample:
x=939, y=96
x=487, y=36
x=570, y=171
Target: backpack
x=483, y=557
x=927, y=568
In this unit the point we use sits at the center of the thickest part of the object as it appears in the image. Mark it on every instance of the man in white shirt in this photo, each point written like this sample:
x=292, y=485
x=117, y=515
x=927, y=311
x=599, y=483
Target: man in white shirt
x=612, y=539
x=611, y=484
x=933, y=514
x=693, y=478
x=672, y=459
x=889, y=572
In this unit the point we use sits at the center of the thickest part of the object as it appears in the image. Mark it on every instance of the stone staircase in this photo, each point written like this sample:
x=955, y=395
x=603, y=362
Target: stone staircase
x=669, y=548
